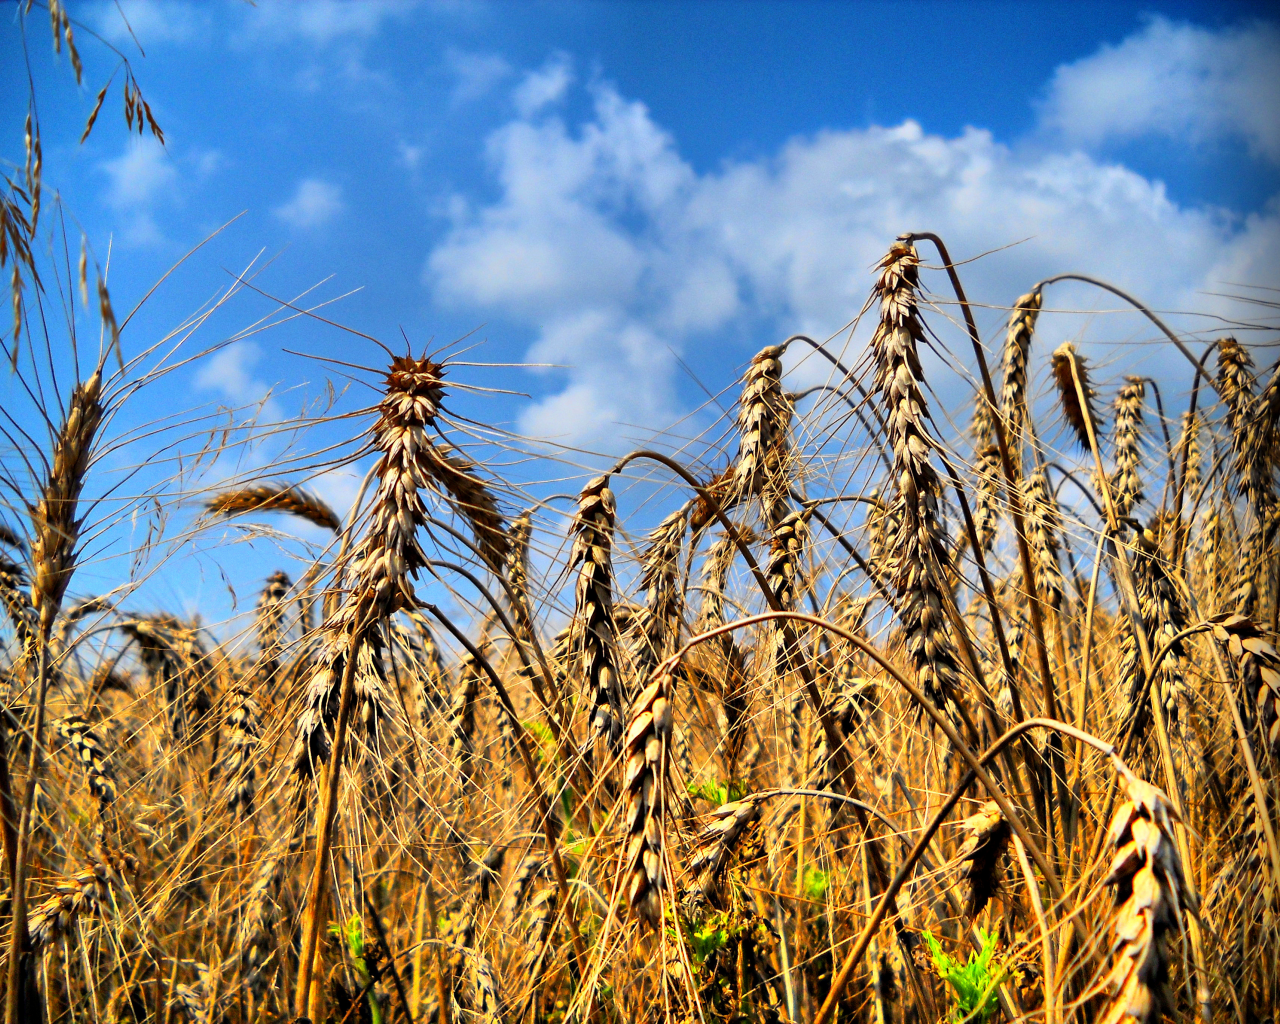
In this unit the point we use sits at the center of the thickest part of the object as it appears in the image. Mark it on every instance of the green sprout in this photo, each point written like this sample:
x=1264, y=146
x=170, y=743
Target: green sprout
x=973, y=984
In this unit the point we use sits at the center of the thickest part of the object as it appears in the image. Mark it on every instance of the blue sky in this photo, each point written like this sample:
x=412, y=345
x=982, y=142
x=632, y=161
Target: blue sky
x=646, y=193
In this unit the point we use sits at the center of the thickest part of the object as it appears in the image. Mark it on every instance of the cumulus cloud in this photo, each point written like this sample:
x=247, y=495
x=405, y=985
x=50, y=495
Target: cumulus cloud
x=320, y=22
x=547, y=85
x=1182, y=82
x=476, y=74
x=608, y=244
x=141, y=177
x=149, y=21
x=314, y=204
x=229, y=371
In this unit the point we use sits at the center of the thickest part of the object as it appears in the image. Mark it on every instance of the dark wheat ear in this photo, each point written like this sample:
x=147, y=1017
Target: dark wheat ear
x=1151, y=894
x=648, y=749
x=593, y=629
x=1017, y=355
x=918, y=576
x=91, y=753
x=1126, y=482
x=1079, y=416
x=55, y=526
x=981, y=855
x=283, y=498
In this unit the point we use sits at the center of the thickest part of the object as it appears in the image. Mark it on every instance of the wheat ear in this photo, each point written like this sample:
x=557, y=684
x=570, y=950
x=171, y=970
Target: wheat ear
x=647, y=747
x=921, y=541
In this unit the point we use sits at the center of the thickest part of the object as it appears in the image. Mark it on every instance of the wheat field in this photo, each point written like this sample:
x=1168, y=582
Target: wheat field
x=872, y=726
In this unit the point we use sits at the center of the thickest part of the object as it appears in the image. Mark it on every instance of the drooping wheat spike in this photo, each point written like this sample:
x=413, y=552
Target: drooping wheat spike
x=462, y=717
x=1079, y=417
x=86, y=893
x=284, y=498
x=243, y=732
x=178, y=666
x=517, y=567
x=785, y=573
x=981, y=855
x=658, y=625
x=10, y=539
x=457, y=474
x=719, y=494
x=986, y=468
x=427, y=672
x=764, y=416
x=541, y=920
x=1259, y=667
x=1164, y=615
x=1126, y=435
x=17, y=603
x=718, y=840
x=1151, y=893
x=1017, y=356
x=594, y=629
x=90, y=752
x=921, y=543
x=1253, y=465
x=1043, y=530
x=486, y=1000
x=532, y=867
x=55, y=526
x=648, y=749
x=255, y=936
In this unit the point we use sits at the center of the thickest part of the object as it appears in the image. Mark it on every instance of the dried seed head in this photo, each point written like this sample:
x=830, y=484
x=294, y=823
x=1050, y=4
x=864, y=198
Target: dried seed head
x=594, y=632
x=764, y=413
x=981, y=855
x=658, y=625
x=532, y=867
x=178, y=666
x=1150, y=894
x=90, y=752
x=1043, y=528
x=1079, y=417
x=648, y=747
x=1126, y=482
x=986, y=467
x=921, y=541
x=719, y=494
x=243, y=729
x=718, y=840
x=1017, y=352
x=517, y=567
x=72, y=899
x=462, y=716
x=55, y=527
x=293, y=501
x=1259, y=667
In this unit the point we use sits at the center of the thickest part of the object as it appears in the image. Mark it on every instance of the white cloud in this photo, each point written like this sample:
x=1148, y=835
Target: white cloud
x=149, y=21
x=320, y=22
x=477, y=73
x=1184, y=82
x=314, y=204
x=139, y=179
x=140, y=175
x=229, y=371
x=610, y=246
x=547, y=85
